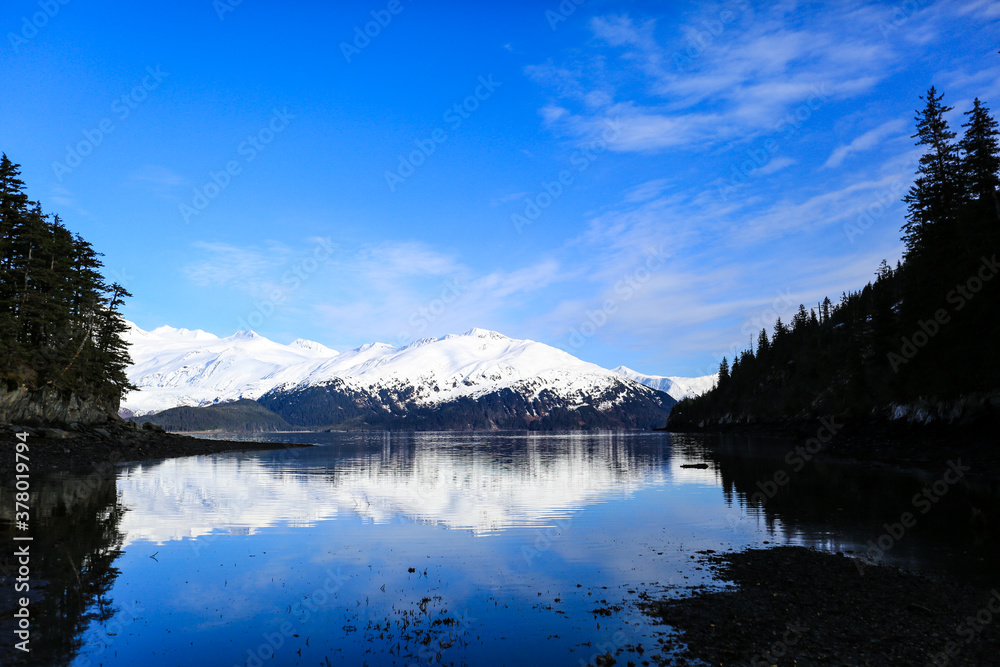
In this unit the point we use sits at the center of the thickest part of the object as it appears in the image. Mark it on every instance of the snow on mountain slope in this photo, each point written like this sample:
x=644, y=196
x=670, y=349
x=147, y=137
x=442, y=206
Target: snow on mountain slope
x=677, y=387
x=174, y=367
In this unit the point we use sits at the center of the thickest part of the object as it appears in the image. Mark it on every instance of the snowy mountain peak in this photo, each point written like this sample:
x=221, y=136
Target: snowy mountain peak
x=174, y=368
x=173, y=332
x=677, y=387
x=476, y=332
x=374, y=346
x=313, y=346
x=420, y=342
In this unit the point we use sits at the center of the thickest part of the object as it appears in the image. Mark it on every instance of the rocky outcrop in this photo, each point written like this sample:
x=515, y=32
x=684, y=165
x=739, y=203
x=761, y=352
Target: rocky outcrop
x=966, y=409
x=50, y=407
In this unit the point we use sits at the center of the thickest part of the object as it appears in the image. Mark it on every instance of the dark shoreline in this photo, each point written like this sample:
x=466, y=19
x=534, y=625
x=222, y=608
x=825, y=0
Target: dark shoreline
x=899, y=446
x=871, y=444
x=793, y=605
x=103, y=448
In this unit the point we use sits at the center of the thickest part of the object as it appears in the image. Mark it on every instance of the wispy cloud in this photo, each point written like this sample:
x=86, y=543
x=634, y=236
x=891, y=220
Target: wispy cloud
x=738, y=83
x=646, y=191
x=159, y=176
x=245, y=268
x=776, y=165
x=866, y=141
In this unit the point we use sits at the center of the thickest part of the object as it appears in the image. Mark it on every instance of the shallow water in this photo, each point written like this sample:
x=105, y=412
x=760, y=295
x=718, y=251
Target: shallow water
x=408, y=548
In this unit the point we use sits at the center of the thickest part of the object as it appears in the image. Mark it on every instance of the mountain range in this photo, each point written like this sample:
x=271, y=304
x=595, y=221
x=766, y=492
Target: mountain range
x=477, y=380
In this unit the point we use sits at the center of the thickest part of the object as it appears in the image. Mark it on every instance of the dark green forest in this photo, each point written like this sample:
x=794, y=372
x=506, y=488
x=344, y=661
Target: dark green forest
x=926, y=328
x=60, y=325
x=242, y=416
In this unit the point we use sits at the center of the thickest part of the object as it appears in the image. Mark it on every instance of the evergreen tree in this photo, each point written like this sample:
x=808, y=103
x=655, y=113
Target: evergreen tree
x=933, y=200
x=763, y=345
x=852, y=359
x=60, y=324
x=723, y=372
x=779, y=333
x=981, y=157
x=13, y=208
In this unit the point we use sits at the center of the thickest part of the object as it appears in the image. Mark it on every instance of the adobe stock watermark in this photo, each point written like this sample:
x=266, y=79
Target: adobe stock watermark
x=924, y=502
x=783, y=306
x=959, y=297
x=121, y=109
x=796, y=459
x=605, y=651
x=625, y=288
x=31, y=25
x=901, y=14
x=455, y=116
x=779, y=649
x=550, y=191
x=545, y=539
x=127, y=613
x=866, y=216
x=363, y=35
x=223, y=7
x=756, y=159
x=561, y=13
x=706, y=33
x=969, y=629
x=432, y=648
x=301, y=611
x=292, y=279
x=423, y=316
x=237, y=505
x=248, y=149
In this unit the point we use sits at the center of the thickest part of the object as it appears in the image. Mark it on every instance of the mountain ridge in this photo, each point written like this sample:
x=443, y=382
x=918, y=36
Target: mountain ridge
x=482, y=376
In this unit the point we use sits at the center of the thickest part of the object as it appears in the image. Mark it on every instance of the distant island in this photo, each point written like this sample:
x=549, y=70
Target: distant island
x=916, y=345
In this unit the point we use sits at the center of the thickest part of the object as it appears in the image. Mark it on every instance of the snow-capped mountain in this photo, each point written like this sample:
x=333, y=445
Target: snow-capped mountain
x=677, y=387
x=477, y=379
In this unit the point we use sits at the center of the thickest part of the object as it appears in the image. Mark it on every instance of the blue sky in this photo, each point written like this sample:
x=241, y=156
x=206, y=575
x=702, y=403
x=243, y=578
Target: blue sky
x=636, y=183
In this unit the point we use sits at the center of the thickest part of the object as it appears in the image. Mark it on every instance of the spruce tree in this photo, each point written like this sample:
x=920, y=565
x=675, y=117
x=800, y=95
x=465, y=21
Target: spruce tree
x=723, y=372
x=763, y=345
x=13, y=208
x=933, y=200
x=60, y=323
x=981, y=157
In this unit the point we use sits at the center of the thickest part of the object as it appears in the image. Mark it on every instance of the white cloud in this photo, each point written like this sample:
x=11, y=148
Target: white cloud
x=646, y=191
x=225, y=265
x=158, y=177
x=622, y=31
x=776, y=165
x=739, y=83
x=866, y=141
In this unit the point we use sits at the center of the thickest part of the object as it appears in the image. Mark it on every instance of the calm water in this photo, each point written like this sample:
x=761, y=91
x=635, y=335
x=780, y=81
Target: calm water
x=459, y=548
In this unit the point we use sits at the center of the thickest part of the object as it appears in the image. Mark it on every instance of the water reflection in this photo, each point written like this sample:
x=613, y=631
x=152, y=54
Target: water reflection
x=842, y=506
x=483, y=485
x=77, y=537
x=518, y=536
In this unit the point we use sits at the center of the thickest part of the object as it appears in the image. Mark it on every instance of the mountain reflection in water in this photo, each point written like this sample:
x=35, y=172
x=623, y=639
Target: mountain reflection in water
x=509, y=541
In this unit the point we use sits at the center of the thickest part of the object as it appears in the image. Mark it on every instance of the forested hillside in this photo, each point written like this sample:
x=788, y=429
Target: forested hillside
x=243, y=416
x=60, y=325
x=926, y=329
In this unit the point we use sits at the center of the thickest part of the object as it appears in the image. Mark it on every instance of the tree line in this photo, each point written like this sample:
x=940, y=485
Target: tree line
x=927, y=327
x=60, y=324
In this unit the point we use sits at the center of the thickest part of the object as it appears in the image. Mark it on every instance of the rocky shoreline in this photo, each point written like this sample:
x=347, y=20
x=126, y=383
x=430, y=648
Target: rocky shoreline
x=798, y=606
x=88, y=448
